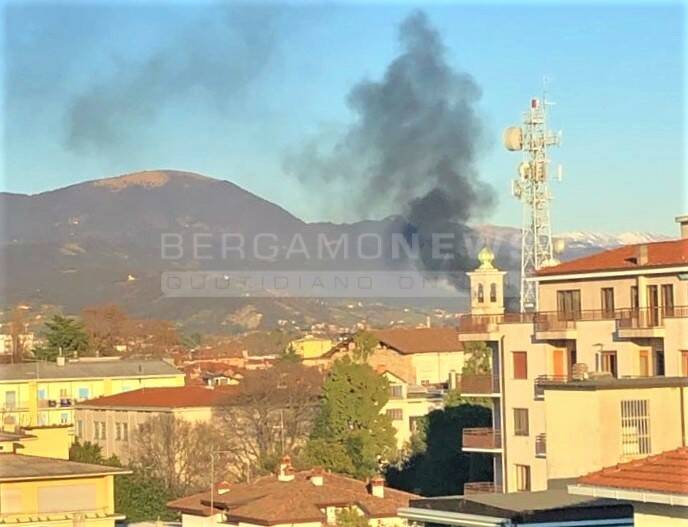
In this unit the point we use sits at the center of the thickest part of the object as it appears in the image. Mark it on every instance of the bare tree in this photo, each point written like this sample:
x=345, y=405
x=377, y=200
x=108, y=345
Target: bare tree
x=176, y=451
x=106, y=326
x=17, y=328
x=270, y=414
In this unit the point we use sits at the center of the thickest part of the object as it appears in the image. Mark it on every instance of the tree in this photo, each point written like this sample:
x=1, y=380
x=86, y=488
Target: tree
x=269, y=415
x=442, y=468
x=63, y=335
x=138, y=496
x=350, y=434
x=364, y=345
x=175, y=452
x=350, y=517
x=479, y=361
x=106, y=327
x=17, y=328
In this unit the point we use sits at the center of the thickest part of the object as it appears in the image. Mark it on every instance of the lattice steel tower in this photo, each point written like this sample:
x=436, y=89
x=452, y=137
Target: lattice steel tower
x=532, y=188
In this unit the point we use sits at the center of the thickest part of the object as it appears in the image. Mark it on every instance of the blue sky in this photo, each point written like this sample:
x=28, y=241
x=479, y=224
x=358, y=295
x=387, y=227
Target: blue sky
x=275, y=77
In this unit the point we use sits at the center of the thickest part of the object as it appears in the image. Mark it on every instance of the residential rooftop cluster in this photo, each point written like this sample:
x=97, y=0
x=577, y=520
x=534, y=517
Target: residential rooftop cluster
x=580, y=410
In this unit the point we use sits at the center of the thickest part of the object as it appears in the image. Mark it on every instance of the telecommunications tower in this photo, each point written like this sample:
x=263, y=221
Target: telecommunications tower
x=532, y=188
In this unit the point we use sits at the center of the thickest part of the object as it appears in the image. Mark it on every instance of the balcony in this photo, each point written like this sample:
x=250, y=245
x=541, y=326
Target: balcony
x=541, y=445
x=479, y=487
x=486, y=327
x=643, y=322
x=556, y=325
x=480, y=385
x=481, y=440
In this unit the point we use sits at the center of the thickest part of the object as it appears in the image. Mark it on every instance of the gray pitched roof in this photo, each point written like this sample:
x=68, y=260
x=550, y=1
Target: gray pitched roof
x=86, y=369
x=15, y=467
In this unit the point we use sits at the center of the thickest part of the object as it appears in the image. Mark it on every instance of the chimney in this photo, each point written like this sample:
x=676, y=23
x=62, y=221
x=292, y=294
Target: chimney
x=317, y=477
x=286, y=471
x=683, y=222
x=377, y=486
x=223, y=488
x=642, y=254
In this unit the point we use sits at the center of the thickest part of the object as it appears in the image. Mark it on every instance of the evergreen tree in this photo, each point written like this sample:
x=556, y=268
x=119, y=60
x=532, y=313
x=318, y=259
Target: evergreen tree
x=350, y=435
x=65, y=334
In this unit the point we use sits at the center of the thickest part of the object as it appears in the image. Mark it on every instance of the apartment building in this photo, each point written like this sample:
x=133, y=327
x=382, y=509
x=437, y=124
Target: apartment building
x=39, y=486
x=112, y=421
x=310, y=498
x=408, y=404
x=424, y=356
x=44, y=393
x=617, y=314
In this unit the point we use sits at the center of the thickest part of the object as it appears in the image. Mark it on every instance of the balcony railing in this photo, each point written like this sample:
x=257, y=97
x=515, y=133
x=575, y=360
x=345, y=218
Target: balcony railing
x=479, y=487
x=482, y=438
x=480, y=384
x=541, y=445
x=487, y=323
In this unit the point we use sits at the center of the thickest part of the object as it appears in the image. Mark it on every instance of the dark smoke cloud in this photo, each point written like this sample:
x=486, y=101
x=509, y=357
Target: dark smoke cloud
x=212, y=59
x=415, y=139
x=413, y=146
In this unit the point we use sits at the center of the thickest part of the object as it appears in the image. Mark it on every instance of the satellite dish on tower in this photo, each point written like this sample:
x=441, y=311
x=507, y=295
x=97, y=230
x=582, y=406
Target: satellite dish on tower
x=513, y=138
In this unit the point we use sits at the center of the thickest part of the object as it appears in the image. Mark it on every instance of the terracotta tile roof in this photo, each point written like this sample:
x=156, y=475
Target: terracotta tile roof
x=659, y=254
x=268, y=501
x=666, y=472
x=420, y=340
x=164, y=397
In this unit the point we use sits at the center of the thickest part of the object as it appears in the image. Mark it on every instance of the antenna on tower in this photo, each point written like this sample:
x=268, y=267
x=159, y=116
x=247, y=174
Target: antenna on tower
x=531, y=187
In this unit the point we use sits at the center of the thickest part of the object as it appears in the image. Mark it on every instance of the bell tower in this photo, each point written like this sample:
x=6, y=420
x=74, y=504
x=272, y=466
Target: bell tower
x=487, y=286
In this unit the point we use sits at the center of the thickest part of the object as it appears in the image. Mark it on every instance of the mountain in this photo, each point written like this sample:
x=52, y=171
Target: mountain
x=100, y=241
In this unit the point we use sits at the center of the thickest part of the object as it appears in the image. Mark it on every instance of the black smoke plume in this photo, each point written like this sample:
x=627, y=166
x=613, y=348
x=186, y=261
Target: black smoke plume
x=413, y=147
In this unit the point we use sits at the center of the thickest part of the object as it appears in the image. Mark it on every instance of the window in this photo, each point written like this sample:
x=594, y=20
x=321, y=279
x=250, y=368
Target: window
x=64, y=418
x=493, y=293
x=635, y=427
x=569, y=304
x=481, y=294
x=522, y=478
x=634, y=297
x=520, y=359
x=684, y=363
x=521, y=421
x=122, y=431
x=668, y=300
x=396, y=414
x=608, y=362
x=396, y=391
x=11, y=400
x=608, y=302
x=659, y=363
x=80, y=428
x=99, y=430
x=83, y=393
x=644, y=363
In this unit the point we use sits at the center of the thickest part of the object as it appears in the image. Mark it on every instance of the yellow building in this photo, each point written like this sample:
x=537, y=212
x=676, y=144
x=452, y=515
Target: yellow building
x=615, y=314
x=44, y=393
x=311, y=347
x=39, y=486
x=408, y=404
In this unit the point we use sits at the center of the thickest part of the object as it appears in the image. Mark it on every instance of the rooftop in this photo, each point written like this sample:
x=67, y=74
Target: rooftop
x=663, y=473
x=420, y=340
x=269, y=501
x=659, y=254
x=15, y=467
x=523, y=507
x=86, y=369
x=163, y=397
